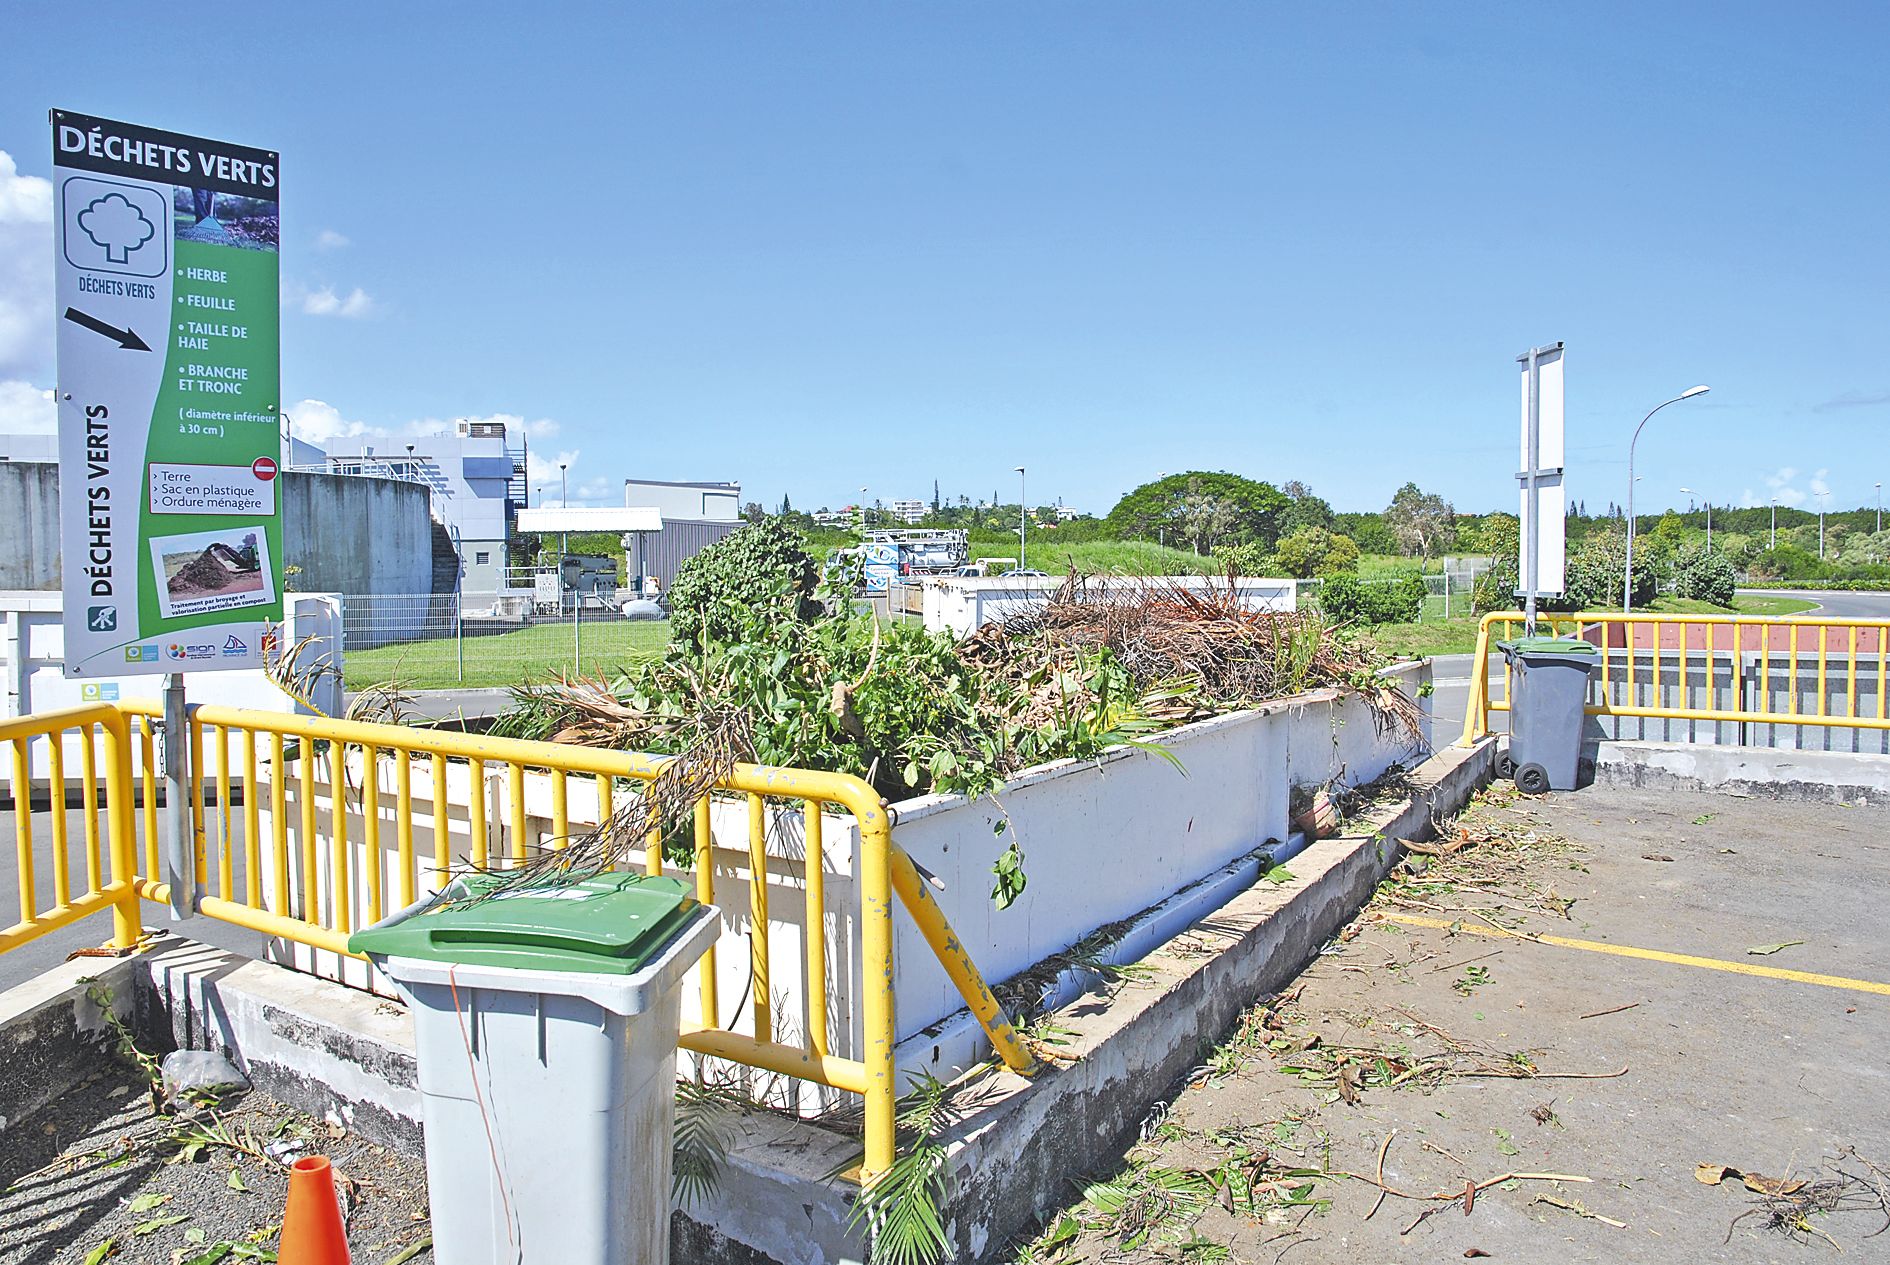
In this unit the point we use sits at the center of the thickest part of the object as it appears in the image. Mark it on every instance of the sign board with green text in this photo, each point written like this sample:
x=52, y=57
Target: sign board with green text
x=165, y=255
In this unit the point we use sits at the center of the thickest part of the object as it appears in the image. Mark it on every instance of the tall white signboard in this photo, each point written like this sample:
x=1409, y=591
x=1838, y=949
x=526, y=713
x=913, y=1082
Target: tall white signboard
x=1540, y=568
x=169, y=448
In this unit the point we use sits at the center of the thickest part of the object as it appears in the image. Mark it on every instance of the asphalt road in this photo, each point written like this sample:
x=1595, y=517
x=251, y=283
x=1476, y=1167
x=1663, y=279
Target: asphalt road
x=1837, y=605
x=21, y=964
x=1450, y=696
x=1623, y=1073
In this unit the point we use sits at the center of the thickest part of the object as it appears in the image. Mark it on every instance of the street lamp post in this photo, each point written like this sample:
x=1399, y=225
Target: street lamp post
x=1020, y=518
x=564, y=503
x=1709, y=519
x=1824, y=498
x=1627, y=576
x=1880, y=507
x=1774, y=543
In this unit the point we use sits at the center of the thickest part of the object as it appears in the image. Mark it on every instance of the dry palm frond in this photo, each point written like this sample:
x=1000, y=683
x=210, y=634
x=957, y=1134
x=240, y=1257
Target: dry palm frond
x=298, y=669
x=1191, y=652
x=662, y=805
x=384, y=703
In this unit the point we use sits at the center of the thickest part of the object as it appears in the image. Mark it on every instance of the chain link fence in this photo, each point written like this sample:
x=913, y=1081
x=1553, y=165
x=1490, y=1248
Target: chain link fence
x=440, y=640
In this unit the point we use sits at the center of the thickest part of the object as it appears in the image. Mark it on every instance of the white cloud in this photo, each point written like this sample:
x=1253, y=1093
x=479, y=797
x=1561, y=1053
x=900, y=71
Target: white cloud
x=319, y=422
x=544, y=470
x=329, y=239
x=325, y=302
x=1819, y=486
x=1783, y=485
x=515, y=425
x=26, y=409
x=26, y=271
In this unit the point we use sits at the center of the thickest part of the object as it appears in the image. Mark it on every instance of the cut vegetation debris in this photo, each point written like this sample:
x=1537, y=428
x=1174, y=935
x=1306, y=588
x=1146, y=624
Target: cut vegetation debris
x=1843, y=1183
x=822, y=685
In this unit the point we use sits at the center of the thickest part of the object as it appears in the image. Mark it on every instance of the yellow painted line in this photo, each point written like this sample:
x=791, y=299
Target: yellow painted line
x=1651, y=955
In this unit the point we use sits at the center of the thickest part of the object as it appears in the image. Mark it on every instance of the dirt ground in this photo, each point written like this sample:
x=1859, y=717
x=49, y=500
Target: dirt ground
x=100, y=1175
x=1587, y=1096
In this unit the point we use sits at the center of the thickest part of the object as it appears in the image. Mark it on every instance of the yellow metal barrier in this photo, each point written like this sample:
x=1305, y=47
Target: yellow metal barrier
x=1649, y=665
x=109, y=845
x=300, y=876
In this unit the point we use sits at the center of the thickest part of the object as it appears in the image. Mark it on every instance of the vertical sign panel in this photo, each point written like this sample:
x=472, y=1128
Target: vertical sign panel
x=165, y=255
x=1544, y=524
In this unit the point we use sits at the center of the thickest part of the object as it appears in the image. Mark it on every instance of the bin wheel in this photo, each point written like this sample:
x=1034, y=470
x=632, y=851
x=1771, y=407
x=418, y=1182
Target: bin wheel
x=1505, y=767
x=1532, y=779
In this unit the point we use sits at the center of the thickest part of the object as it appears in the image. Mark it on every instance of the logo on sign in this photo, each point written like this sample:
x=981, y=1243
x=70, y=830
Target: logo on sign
x=101, y=618
x=147, y=653
x=175, y=650
x=99, y=692
x=234, y=646
x=264, y=468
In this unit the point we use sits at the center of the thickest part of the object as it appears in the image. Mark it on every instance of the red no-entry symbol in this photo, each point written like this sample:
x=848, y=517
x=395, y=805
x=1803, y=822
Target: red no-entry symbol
x=264, y=468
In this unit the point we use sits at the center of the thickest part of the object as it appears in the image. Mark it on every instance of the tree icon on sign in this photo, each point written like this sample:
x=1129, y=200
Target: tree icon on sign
x=117, y=226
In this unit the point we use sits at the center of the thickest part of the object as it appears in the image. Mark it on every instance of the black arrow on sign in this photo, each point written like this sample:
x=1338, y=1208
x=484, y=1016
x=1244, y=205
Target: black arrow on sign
x=125, y=338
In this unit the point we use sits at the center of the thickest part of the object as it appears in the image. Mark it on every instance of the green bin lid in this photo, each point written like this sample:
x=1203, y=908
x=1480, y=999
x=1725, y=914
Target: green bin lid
x=1551, y=645
x=609, y=924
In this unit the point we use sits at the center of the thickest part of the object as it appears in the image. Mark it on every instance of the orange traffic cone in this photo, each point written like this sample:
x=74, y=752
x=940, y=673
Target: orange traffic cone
x=312, y=1233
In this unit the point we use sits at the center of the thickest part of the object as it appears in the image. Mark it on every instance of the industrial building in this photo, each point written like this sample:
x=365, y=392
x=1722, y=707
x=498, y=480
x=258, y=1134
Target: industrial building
x=476, y=477
x=694, y=516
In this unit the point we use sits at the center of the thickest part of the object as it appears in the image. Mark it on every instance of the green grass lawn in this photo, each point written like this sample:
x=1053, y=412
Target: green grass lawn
x=1434, y=636
x=1096, y=557
x=1743, y=604
x=528, y=654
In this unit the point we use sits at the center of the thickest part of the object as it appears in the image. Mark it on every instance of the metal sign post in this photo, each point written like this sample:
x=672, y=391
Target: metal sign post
x=1544, y=527
x=179, y=855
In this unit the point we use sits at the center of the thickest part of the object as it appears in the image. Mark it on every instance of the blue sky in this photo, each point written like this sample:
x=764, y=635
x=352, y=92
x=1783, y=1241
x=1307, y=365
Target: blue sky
x=819, y=246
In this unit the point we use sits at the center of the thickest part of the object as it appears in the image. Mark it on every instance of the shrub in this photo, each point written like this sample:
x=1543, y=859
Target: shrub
x=1249, y=558
x=1346, y=599
x=1704, y=575
x=1496, y=588
x=1314, y=551
x=1595, y=570
x=757, y=571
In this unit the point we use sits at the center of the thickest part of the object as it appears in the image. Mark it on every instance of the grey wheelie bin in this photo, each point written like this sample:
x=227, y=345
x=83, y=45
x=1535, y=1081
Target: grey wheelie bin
x=1548, y=688
x=546, y=1023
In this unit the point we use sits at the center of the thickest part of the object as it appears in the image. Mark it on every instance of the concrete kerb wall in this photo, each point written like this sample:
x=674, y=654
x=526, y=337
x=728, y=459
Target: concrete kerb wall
x=51, y=1025
x=1767, y=773
x=348, y=1056
x=964, y=604
x=1126, y=831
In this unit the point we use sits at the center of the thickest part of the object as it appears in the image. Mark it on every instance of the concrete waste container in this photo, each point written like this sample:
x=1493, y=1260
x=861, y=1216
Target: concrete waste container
x=546, y=1023
x=1548, y=689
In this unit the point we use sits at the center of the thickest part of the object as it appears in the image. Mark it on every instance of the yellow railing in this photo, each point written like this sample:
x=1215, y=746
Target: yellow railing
x=300, y=875
x=107, y=836
x=1713, y=669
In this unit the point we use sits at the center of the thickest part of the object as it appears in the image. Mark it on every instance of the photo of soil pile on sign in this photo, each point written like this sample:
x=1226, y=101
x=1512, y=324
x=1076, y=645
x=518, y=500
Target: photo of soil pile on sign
x=212, y=571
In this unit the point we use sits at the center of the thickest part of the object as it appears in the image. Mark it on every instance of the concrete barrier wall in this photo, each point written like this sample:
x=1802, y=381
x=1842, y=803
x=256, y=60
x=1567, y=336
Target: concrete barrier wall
x=355, y=535
x=29, y=506
x=347, y=534
x=964, y=604
x=1102, y=841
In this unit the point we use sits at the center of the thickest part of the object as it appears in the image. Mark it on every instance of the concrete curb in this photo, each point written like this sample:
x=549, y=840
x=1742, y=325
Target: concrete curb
x=1829, y=777
x=50, y=1025
x=331, y=1051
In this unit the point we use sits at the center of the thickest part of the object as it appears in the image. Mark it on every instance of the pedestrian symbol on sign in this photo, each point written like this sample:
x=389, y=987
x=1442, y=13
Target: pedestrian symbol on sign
x=101, y=618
